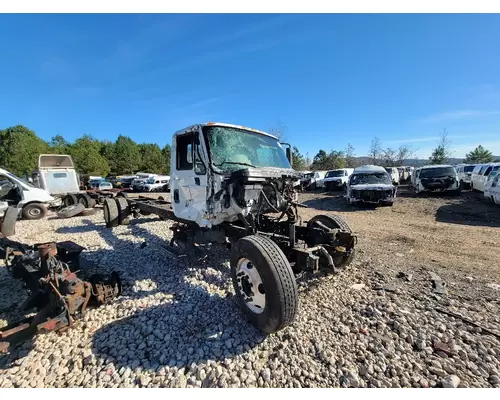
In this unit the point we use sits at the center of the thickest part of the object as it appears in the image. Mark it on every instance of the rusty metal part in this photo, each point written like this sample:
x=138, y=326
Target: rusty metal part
x=60, y=298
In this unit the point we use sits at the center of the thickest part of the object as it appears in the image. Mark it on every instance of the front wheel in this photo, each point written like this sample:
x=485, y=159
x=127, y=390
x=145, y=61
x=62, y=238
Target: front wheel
x=34, y=211
x=264, y=283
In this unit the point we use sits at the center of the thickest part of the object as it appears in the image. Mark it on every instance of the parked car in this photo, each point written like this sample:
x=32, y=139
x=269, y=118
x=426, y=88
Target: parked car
x=436, y=178
x=105, y=186
x=464, y=173
x=337, y=178
x=394, y=173
x=313, y=180
x=153, y=184
x=127, y=182
x=492, y=187
x=370, y=184
x=480, y=175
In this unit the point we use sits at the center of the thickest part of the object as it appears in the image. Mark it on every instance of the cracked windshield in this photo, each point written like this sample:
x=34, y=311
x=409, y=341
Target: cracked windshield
x=232, y=149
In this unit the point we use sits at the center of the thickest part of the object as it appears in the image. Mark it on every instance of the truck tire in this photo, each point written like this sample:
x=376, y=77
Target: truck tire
x=111, y=213
x=86, y=200
x=123, y=211
x=264, y=283
x=333, y=221
x=70, y=211
x=8, y=225
x=70, y=199
x=34, y=211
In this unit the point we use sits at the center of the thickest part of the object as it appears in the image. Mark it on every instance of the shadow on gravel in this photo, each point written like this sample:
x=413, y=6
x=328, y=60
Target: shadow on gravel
x=470, y=210
x=335, y=204
x=191, y=326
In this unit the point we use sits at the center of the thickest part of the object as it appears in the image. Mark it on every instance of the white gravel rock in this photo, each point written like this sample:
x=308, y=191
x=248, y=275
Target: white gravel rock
x=178, y=325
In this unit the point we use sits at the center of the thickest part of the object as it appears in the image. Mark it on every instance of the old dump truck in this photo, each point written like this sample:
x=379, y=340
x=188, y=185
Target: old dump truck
x=236, y=186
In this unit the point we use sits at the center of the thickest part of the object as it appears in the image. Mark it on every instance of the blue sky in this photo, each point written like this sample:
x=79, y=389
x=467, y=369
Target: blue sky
x=331, y=79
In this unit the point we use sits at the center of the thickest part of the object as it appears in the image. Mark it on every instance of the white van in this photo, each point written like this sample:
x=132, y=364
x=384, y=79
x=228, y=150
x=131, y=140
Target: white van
x=436, y=178
x=480, y=175
x=31, y=202
x=313, y=180
x=337, y=178
x=464, y=173
x=155, y=183
x=394, y=173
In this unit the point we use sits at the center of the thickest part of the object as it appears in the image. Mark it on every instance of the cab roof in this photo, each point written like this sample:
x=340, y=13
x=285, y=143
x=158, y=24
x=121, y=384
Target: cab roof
x=191, y=127
x=369, y=169
x=437, y=166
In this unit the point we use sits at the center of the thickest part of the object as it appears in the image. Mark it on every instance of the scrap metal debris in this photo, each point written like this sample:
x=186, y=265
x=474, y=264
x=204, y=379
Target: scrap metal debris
x=57, y=296
x=439, y=286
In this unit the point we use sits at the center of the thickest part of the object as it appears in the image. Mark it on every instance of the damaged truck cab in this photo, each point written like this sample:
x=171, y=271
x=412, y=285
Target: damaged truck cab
x=235, y=186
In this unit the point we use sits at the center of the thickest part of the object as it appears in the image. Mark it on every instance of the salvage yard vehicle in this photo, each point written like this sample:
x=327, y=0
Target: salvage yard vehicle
x=56, y=175
x=313, y=180
x=158, y=182
x=492, y=187
x=235, y=186
x=437, y=178
x=370, y=184
x=337, y=178
x=31, y=202
x=394, y=173
x=480, y=175
x=464, y=173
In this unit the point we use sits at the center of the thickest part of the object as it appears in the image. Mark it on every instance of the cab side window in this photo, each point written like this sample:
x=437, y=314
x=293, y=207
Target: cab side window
x=185, y=152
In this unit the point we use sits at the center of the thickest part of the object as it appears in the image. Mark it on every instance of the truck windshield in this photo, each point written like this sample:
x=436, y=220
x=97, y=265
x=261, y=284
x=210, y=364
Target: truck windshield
x=469, y=168
x=437, y=172
x=232, y=149
x=151, y=180
x=334, y=174
x=370, y=179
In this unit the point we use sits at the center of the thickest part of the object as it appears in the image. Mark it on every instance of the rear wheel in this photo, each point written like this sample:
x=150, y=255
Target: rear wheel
x=264, y=283
x=329, y=222
x=123, y=211
x=34, y=211
x=86, y=200
x=70, y=199
x=111, y=213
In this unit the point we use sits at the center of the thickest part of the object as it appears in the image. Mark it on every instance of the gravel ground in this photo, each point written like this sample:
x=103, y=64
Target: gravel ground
x=177, y=324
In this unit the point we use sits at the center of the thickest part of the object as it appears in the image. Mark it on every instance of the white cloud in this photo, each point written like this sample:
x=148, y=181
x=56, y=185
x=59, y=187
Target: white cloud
x=458, y=114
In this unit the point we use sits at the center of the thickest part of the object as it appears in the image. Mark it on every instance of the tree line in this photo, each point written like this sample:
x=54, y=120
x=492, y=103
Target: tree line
x=20, y=148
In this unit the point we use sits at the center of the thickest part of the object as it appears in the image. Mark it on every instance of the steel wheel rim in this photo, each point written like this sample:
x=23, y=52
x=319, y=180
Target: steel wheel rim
x=34, y=212
x=250, y=286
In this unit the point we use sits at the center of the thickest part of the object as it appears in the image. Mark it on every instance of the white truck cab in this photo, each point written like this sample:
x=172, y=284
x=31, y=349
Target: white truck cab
x=32, y=202
x=337, y=178
x=209, y=162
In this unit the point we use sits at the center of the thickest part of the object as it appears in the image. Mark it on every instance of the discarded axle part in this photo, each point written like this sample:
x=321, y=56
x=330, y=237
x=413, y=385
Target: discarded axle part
x=58, y=296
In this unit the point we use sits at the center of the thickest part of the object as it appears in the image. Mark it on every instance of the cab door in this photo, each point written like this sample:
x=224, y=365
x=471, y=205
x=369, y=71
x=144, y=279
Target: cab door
x=189, y=178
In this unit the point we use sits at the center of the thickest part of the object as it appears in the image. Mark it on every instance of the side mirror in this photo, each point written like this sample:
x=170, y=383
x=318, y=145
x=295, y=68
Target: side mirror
x=288, y=152
x=289, y=155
